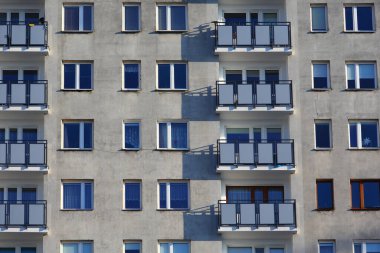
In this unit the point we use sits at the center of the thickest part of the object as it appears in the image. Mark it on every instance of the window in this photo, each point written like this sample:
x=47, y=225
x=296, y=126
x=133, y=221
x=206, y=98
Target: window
x=239, y=250
x=172, y=76
x=77, y=247
x=321, y=76
x=322, y=134
x=325, y=194
x=132, y=135
x=173, y=195
x=276, y=250
x=364, y=134
x=251, y=194
x=78, y=18
x=359, y=18
x=131, y=76
x=131, y=17
x=77, y=76
x=132, y=247
x=77, y=195
x=367, y=247
x=171, y=18
x=326, y=247
x=365, y=194
x=318, y=18
x=361, y=76
x=7, y=250
x=172, y=135
x=174, y=247
x=28, y=250
x=77, y=135
x=132, y=195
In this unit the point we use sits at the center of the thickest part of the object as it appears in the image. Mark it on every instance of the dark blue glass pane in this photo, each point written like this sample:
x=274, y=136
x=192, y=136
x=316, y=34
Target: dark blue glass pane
x=88, y=135
x=178, y=17
x=85, y=76
x=87, y=18
x=10, y=75
x=2, y=135
x=325, y=195
x=164, y=76
x=320, y=83
x=358, y=248
x=257, y=134
x=235, y=18
x=72, y=196
x=132, y=18
x=29, y=134
x=355, y=194
x=367, y=76
x=259, y=250
x=326, y=248
x=32, y=18
x=239, y=195
x=179, y=135
x=131, y=76
x=28, y=250
x=13, y=134
x=234, y=77
x=237, y=134
x=349, y=19
x=253, y=76
x=365, y=20
x=132, y=135
x=162, y=23
x=72, y=18
x=71, y=135
x=322, y=135
x=12, y=194
x=132, y=196
x=353, y=136
x=29, y=194
x=163, y=135
x=1, y=195
x=369, y=135
x=272, y=76
x=180, y=77
x=275, y=194
x=254, y=18
x=178, y=195
x=133, y=248
x=88, y=195
x=30, y=75
x=69, y=76
x=7, y=250
x=162, y=195
x=371, y=194
x=367, y=83
x=274, y=134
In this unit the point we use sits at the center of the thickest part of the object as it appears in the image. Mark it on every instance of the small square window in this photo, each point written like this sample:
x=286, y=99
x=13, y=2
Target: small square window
x=174, y=195
x=132, y=135
x=326, y=247
x=319, y=18
x=172, y=76
x=132, y=247
x=132, y=195
x=174, y=247
x=359, y=18
x=325, y=195
x=365, y=194
x=321, y=76
x=77, y=195
x=364, y=134
x=171, y=18
x=323, y=134
x=77, y=135
x=78, y=18
x=172, y=135
x=77, y=76
x=78, y=247
x=361, y=76
x=131, y=17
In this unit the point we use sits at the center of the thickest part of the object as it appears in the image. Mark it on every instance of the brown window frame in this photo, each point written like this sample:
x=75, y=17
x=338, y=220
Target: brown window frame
x=361, y=191
x=253, y=188
x=332, y=194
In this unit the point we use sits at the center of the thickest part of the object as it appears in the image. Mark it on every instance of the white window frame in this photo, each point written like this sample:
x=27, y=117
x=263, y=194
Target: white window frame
x=330, y=133
x=355, y=17
x=171, y=247
x=327, y=241
x=81, y=134
x=357, y=74
x=326, y=18
x=123, y=129
x=169, y=135
x=132, y=181
x=80, y=17
x=123, y=75
x=168, y=18
x=245, y=72
x=168, y=199
x=21, y=13
x=260, y=13
x=19, y=188
x=79, y=243
x=359, y=133
x=82, y=192
x=328, y=74
x=172, y=83
x=364, y=244
x=139, y=16
x=77, y=76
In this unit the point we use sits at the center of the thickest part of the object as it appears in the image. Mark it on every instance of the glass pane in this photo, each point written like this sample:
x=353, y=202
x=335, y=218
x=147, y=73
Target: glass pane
x=69, y=76
x=318, y=18
x=322, y=135
x=320, y=75
x=235, y=18
x=29, y=194
x=259, y=250
x=164, y=248
x=179, y=195
x=365, y=19
x=132, y=135
x=237, y=134
x=373, y=247
x=326, y=248
x=253, y=76
x=178, y=17
x=234, y=76
x=15, y=18
x=367, y=76
x=28, y=250
x=270, y=17
x=132, y=248
x=70, y=248
x=132, y=195
x=254, y=18
x=29, y=134
x=132, y=20
x=180, y=248
x=355, y=193
x=71, y=135
x=180, y=77
x=274, y=134
x=278, y=251
x=240, y=250
x=87, y=18
x=162, y=24
x=88, y=195
x=164, y=76
x=2, y=135
x=358, y=248
x=32, y=18
x=13, y=134
x=30, y=75
x=325, y=195
x=371, y=194
x=85, y=76
x=258, y=195
x=179, y=135
x=1, y=195
x=88, y=135
x=272, y=76
x=351, y=76
x=257, y=134
x=239, y=195
x=71, y=18
x=163, y=135
x=3, y=18
x=275, y=194
x=72, y=196
x=353, y=135
x=12, y=194
x=131, y=76
x=163, y=195
x=10, y=75
x=8, y=250
x=369, y=134
x=349, y=19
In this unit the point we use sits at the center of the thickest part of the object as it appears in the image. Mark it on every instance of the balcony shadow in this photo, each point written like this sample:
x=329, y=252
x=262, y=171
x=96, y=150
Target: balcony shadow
x=200, y=163
x=199, y=104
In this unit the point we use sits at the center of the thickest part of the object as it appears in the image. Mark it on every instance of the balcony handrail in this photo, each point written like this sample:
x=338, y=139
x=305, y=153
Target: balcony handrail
x=23, y=141
x=27, y=204
x=28, y=25
x=252, y=23
x=7, y=159
x=283, y=201
x=28, y=84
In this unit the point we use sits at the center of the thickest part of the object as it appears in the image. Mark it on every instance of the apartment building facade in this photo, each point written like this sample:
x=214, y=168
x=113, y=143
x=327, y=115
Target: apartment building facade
x=189, y=126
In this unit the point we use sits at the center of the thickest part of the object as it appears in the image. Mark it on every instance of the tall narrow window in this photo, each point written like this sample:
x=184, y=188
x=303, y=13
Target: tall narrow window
x=319, y=18
x=365, y=194
x=132, y=195
x=325, y=195
x=78, y=18
x=171, y=18
x=131, y=76
x=172, y=76
x=323, y=134
x=359, y=18
x=321, y=76
x=77, y=247
x=77, y=195
x=361, y=76
x=131, y=17
x=172, y=135
x=132, y=135
x=77, y=76
x=77, y=134
x=364, y=134
x=174, y=195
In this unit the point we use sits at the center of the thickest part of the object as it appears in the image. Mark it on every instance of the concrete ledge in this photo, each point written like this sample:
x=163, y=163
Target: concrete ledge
x=36, y=230
x=290, y=230
x=15, y=108
x=253, y=169
x=219, y=50
x=284, y=109
x=21, y=49
x=24, y=169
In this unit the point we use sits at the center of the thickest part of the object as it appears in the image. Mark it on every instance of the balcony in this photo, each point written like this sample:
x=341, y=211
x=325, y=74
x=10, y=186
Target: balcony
x=258, y=216
x=23, y=216
x=23, y=155
x=23, y=95
x=254, y=96
x=24, y=37
x=253, y=37
x=263, y=155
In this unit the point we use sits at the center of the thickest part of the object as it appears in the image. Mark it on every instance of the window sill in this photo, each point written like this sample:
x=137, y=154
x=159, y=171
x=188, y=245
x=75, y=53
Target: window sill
x=79, y=32
x=130, y=31
x=363, y=149
x=324, y=209
x=173, y=210
x=322, y=149
x=76, y=90
x=130, y=149
x=358, y=90
x=130, y=90
x=322, y=31
x=172, y=149
x=348, y=32
x=131, y=210
x=321, y=89
x=77, y=210
x=74, y=149
x=171, y=90
x=171, y=31
x=364, y=209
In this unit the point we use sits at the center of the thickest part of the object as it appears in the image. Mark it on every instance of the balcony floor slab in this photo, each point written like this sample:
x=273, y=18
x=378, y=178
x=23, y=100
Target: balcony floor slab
x=253, y=169
x=23, y=109
x=220, y=50
x=284, y=109
x=34, y=169
x=36, y=230
x=15, y=49
x=291, y=230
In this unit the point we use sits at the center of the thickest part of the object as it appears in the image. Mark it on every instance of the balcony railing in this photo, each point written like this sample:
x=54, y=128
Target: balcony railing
x=19, y=213
x=23, y=153
x=22, y=34
x=258, y=214
x=23, y=93
x=274, y=34
x=254, y=153
x=254, y=94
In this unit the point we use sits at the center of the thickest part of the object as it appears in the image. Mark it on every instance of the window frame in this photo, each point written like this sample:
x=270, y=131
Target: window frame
x=325, y=242
x=355, y=18
x=124, y=135
x=126, y=181
x=172, y=76
x=132, y=242
x=168, y=18
x=81, y=135
x=123, y=88
x=361, y=193
x=326, y=18
x=327, y=63
x=363, y=244
x=77, y=75
x=169, y=136
x=357, y=76
x=83, y=194
x=359, y=134
x=171, y=243
x=80, y=244
x=332, y=194
x=330, y=134
x=81, y=17
x=124, y=15
x=168, y=199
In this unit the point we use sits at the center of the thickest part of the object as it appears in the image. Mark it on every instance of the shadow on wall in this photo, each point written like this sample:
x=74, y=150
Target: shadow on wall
x=199, y=104
x=200, y=163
